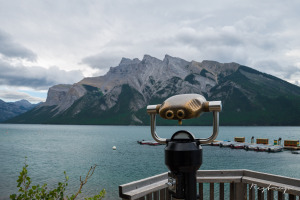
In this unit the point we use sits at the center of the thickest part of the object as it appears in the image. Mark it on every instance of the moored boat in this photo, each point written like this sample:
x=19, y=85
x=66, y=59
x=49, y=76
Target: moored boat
x=216, y=143
x=275, y=148
x=263, y=147
x=295, y=152
x=239, y=145
x=253, y=147
x=149, y=142
x=262, y=144
x=226, y=144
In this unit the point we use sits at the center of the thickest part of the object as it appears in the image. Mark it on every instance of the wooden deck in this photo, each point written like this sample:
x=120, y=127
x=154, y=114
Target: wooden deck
x=291, y=148
x=219, y=184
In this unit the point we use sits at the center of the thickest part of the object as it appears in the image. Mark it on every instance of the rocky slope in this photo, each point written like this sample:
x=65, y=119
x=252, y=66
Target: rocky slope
x=249, y=97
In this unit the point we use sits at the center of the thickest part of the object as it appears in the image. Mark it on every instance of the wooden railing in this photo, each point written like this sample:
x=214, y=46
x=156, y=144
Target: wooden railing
x=219, y=184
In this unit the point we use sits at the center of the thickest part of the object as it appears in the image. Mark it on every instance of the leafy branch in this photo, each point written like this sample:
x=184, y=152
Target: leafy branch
x=42, y=193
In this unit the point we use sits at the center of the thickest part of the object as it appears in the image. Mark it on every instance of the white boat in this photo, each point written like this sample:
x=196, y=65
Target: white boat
x=263, y=147
x=149, y=142
x=239, y=145
x=227, y=144
x=253, y=147
x=216, y=143
x=275, y=148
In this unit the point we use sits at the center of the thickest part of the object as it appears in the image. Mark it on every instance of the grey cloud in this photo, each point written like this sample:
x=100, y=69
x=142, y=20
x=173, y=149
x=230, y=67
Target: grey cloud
x=227, y=36
x=12, y=49
x=36, y=77
x=11, y=96
x=268, y=65
x=103, y=60
x=210, y=36
x=244, y=32
x=279, y=70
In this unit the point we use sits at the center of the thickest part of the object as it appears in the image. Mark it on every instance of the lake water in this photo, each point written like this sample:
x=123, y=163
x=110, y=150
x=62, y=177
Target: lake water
x=53, y=149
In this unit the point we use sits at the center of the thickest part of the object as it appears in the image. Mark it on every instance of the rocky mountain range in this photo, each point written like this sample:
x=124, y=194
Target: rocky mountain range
x=249, y=97
x=9, y=110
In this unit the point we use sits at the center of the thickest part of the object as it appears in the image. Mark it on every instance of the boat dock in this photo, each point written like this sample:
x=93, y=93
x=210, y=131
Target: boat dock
x=292, y=148
x=262, y=144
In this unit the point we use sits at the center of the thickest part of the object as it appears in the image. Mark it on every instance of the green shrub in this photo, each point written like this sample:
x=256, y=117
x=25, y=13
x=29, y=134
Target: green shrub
x=37, y=192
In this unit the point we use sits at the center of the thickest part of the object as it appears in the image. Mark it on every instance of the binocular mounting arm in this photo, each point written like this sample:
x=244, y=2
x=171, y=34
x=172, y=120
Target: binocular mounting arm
x=151, y=109
x=215, y=130
x=213, y=106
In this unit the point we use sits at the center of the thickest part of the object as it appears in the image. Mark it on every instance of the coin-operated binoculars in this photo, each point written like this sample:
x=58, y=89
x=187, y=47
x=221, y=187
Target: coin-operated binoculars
x=183, y=152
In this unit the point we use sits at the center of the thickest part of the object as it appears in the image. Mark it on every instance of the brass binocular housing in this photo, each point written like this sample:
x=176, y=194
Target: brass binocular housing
x=185, y=106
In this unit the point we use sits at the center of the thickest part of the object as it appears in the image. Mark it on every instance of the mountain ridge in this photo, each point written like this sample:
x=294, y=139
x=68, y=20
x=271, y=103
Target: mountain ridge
x=122, y=94
x=9, y=110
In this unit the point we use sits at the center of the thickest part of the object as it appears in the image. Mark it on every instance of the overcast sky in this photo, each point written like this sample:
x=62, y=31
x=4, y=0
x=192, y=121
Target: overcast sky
x=43, y=43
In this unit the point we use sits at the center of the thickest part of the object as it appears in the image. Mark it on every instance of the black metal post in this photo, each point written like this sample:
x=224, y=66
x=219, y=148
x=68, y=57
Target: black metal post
x=183, y=157
x=190, y=186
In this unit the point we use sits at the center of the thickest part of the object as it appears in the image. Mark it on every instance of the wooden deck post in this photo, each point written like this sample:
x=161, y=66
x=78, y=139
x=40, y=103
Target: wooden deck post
x=212, y=191
x=162, y=194
x=200, y=191
x=232, y=191
x=156, y=195
x=221, y=191
x=270, y=195
x=167, y=194
x=251, y=192
x=280, y=195
x=149, y=196
x=260, y=194
x=240, y=191
x=292, y=197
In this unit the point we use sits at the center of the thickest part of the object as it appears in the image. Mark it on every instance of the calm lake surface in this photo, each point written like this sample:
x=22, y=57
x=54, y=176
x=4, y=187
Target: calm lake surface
x=53, y=149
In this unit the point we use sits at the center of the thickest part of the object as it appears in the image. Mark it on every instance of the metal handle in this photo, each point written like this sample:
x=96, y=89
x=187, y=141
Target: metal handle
x=215, y=130
x=152, y=111
x=213, y=106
